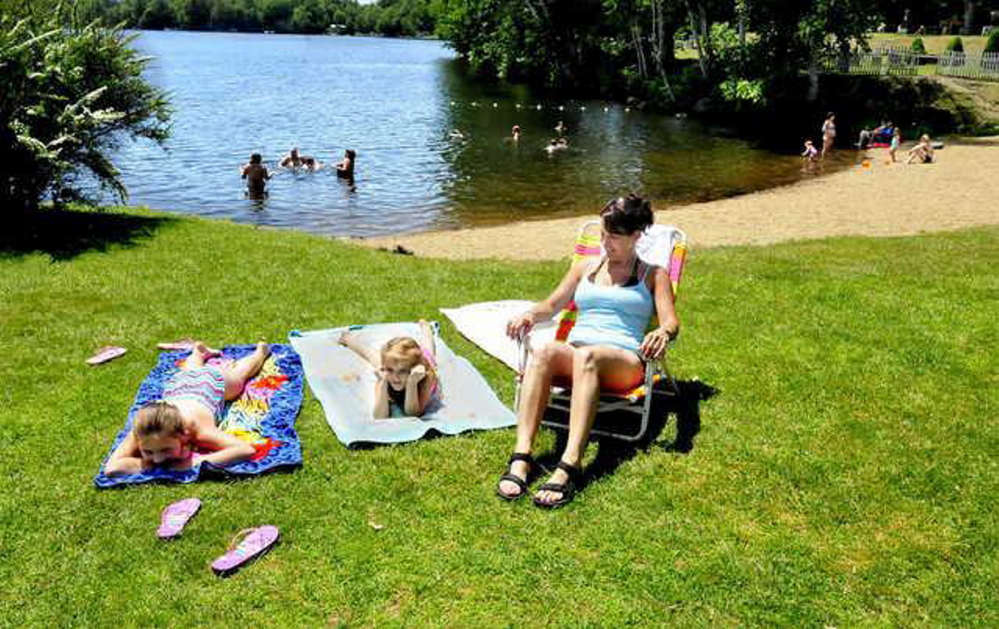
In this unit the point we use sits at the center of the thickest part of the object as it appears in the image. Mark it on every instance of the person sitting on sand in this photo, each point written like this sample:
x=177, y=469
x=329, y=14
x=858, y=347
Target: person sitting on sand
x=873, y=135
x=165, y=433
x=923, y=151
x=256, y=176
x=407, y=373
x=345, y=167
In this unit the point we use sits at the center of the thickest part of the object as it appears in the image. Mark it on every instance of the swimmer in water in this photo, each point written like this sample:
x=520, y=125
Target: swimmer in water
x=256, y=176
x=556, y=144
x=456, y=135
x=345, y=167
x=294, y=160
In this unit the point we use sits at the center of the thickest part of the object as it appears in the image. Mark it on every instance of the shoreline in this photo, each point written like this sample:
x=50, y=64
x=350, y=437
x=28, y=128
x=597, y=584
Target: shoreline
x=959, y=189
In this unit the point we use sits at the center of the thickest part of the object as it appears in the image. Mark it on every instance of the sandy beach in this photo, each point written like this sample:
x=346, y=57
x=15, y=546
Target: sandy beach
x=960, y=189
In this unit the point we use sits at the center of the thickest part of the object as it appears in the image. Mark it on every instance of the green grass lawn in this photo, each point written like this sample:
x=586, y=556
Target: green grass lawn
x=844, y=474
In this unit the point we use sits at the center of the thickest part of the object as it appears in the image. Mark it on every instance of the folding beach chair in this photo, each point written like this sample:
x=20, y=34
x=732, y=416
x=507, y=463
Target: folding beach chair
x=623, y=415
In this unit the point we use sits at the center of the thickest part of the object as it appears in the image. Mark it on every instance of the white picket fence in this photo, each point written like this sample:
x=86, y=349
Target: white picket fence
x=959, y=64
x=904, y=62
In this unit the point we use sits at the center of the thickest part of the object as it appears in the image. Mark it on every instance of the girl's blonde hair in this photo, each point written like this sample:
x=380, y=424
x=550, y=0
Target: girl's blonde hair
x=407, y=349
x=159, y=418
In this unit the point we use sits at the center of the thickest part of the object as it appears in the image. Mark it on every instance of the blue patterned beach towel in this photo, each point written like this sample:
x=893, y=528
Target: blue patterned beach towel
x=264, y=416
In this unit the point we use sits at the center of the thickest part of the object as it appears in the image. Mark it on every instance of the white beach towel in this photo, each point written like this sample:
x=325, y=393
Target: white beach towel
x=485, y=325
x=344, y=383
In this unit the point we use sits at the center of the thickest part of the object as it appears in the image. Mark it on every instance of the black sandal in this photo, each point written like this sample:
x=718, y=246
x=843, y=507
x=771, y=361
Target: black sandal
x=510, y=476
x=567, y=489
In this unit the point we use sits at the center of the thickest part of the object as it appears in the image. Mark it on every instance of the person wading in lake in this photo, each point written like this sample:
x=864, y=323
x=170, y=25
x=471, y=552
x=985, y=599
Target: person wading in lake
x=256, y=176
x=828, y=133
x=345, y=168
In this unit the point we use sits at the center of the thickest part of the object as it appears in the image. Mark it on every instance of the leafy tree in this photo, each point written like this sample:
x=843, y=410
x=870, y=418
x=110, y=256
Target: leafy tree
x=70, y=94
x=918, y=47
x=955, y=45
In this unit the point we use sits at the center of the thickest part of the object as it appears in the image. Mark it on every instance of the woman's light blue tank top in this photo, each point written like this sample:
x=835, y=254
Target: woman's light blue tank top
x=611, y=315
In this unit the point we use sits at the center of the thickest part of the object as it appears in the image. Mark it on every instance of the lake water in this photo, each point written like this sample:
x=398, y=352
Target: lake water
x=396, y=103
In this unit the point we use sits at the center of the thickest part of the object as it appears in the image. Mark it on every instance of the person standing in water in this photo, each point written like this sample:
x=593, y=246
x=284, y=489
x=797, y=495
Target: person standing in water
x=828, y=133
x=256, y=176
x=345, y=167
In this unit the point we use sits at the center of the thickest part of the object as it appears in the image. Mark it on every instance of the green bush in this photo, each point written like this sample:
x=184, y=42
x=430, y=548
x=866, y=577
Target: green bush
x=69, y=95
x=992, y=45
x=918, y=47
x=955, y=45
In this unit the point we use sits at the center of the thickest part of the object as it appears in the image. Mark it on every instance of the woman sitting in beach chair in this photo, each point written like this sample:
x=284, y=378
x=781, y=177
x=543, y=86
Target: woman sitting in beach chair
x=616, y=296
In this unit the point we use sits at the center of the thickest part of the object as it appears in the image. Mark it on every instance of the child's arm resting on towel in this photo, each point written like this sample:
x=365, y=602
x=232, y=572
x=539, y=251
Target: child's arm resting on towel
x=124, y=459
x=381, y=408
x=228, y=449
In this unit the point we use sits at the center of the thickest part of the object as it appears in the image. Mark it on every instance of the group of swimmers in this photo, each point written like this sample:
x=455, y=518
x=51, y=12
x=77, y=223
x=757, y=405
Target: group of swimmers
x=886, y=135
x=256, y=174
x=558, y=143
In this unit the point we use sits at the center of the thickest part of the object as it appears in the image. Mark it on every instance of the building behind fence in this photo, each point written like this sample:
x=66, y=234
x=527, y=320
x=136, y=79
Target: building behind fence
x=905, y=62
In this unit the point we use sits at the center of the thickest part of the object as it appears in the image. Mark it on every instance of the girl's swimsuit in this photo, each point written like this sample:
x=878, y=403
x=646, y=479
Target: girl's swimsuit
x=204, y=385
x=612, y=315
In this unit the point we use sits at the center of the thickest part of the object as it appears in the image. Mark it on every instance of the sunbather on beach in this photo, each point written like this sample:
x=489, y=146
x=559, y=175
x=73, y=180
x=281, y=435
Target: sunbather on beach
x=616, y=297
x=407, y=372
x=165, y=433
x=256, y=176
x=923, y=151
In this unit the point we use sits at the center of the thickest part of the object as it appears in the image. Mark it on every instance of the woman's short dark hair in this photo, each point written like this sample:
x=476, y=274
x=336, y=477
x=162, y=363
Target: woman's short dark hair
x=351, y=154
x=627, y=215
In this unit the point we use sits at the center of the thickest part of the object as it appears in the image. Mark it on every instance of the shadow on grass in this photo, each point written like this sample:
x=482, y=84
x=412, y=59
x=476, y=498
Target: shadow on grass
x=611, y=453
x=65, y=234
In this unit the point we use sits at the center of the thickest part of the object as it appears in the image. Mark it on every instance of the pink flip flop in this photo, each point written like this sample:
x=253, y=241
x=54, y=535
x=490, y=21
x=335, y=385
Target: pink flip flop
x=176, y=516
x=105, y=354
x=254, y=544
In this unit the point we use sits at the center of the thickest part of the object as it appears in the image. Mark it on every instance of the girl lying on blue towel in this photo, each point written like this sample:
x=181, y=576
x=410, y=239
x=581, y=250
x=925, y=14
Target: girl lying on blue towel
x=168, y=431
x=407, y=373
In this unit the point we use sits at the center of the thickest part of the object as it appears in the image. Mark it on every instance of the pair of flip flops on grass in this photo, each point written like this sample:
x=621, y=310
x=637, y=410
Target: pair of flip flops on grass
x=247, y=546
x=110, y=352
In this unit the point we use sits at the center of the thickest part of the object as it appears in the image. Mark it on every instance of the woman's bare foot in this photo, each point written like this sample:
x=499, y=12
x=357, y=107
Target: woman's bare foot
x=520, y=469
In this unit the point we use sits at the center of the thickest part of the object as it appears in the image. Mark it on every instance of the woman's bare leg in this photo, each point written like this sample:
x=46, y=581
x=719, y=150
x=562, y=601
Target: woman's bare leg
x=554, y=359
x=243, y=369
x=593, y=368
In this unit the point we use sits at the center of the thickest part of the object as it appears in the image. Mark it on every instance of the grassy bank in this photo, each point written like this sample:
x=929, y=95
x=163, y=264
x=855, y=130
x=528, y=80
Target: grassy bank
x=844, y=473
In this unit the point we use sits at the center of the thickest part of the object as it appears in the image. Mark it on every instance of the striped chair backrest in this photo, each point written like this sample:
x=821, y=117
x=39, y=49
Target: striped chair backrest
x=588, y=247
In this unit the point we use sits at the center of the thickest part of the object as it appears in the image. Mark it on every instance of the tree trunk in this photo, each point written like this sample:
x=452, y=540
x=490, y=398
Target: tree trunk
x=969, y=17
x=813, y=80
